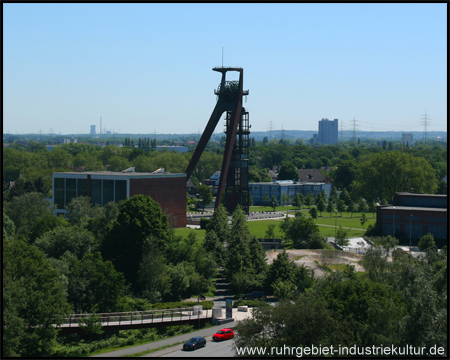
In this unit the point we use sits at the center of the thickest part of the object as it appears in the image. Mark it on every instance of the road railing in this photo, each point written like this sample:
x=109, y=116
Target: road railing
x=138, y=317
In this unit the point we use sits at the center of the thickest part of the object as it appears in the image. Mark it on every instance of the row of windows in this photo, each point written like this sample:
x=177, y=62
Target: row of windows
x=102, y=191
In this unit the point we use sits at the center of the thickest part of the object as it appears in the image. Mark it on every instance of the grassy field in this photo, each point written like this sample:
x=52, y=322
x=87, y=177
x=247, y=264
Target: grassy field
x=258, y=228
x=184, y=232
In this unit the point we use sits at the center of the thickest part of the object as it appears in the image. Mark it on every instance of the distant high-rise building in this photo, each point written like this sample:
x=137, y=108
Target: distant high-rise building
x=328, y=131
x=93, y=130
x=407, y=139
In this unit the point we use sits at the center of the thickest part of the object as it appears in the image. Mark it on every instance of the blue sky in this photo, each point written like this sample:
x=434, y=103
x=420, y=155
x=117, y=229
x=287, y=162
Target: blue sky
x=147, y=68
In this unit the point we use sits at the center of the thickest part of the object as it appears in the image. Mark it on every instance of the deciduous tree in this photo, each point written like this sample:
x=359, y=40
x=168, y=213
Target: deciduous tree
x=33, y=300
x=140, y=221
x=384, y=174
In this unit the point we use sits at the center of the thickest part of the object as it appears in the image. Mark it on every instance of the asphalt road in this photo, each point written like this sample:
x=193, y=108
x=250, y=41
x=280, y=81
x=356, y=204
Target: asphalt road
x=212, y=349
x=206, y=333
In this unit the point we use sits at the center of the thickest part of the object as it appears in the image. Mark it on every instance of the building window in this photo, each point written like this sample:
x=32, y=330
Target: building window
x=59, y=193
x=438, y=232
x=108, y=191
x=71, y=190
x=120, y=190
x=82, y=187
x=96, y=191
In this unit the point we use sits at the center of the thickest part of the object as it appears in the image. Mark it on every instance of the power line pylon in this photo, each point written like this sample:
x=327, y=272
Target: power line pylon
x=354, y=129
x=425, y=123
x=234, y=172
x=342, y=131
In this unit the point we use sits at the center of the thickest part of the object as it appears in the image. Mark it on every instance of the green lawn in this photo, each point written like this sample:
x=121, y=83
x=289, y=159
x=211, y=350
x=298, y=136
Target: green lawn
x=258, y=228
x=184, y=232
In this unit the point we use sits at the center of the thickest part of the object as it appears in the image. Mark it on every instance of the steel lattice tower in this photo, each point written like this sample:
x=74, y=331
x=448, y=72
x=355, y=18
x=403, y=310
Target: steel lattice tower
x=233, y=180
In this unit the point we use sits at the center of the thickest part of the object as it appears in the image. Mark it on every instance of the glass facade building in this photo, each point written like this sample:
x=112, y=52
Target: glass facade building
x=69, y=186
x=262, y=192
x=102, y=187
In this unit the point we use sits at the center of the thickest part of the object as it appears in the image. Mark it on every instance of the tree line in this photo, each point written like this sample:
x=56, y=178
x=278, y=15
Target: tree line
x=366, y=170
x=398, y=302
x=120, y=257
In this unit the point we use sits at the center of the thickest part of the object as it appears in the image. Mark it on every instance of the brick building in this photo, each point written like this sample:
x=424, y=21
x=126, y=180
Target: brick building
x=169, y=190
x=415, y=214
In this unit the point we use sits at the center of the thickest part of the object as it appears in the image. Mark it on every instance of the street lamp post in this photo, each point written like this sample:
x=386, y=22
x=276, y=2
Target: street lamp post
x=410, y=218
x=393, y=221
x=335, y=224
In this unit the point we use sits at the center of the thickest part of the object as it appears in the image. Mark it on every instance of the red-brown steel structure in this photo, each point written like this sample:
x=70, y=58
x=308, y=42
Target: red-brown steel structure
x=230, y=94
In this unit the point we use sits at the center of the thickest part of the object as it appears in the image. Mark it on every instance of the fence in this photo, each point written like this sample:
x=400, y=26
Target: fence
x=139, y=317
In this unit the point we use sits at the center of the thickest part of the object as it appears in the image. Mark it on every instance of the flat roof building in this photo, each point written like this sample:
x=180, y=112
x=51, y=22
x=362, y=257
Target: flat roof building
x=415, y=214
x=102, y=187
x=328, y=132
x=264, y=191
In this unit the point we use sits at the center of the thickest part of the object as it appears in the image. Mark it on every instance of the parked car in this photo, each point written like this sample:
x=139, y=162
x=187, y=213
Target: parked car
x=253, y=295
x=223, y=334
x=194, y=343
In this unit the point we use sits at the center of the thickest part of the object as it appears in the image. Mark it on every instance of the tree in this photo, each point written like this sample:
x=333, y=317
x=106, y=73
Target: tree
x=288, y=171
x=205, y=194
x=153, y=277
x=102, y=219
x=241, y=282
x=345, y=174
x=333, y=195
x=95, y=283
x=351, y=208
x=274, y=203
x=281, y=269
x=78, y=210
x=270, y=232
x=372, y=207
x=341, y=206
x=47, y=222
x=219, y=223
x=244, y=254
x=362, y=206
x=363, y=220
x=309, y=199
x=9, y=228
x=321, y=206
x=330, y=207
x=313, y=212
x=342, y=236
x=284, y=290
x=384, y=174
x=92, y=325
x=285, y=200
x=328, y=257
x=345, y=196
x=214, y=246
x=321, y=196
x=24, y=210
x=140, y=224
x=33, y=300
x=258, y=175
x=298, y=200
x=427, y=242
x=299, y=230
x=73, y=239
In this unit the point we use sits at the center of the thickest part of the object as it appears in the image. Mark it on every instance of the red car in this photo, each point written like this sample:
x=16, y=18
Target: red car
x=223, y=334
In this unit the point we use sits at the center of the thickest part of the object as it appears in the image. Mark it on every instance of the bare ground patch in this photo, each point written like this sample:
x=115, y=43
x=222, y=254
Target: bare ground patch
x=311, y=259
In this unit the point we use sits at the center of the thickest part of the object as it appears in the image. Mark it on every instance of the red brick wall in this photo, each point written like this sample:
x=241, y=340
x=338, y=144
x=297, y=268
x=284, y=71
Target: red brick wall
x=169, y=192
